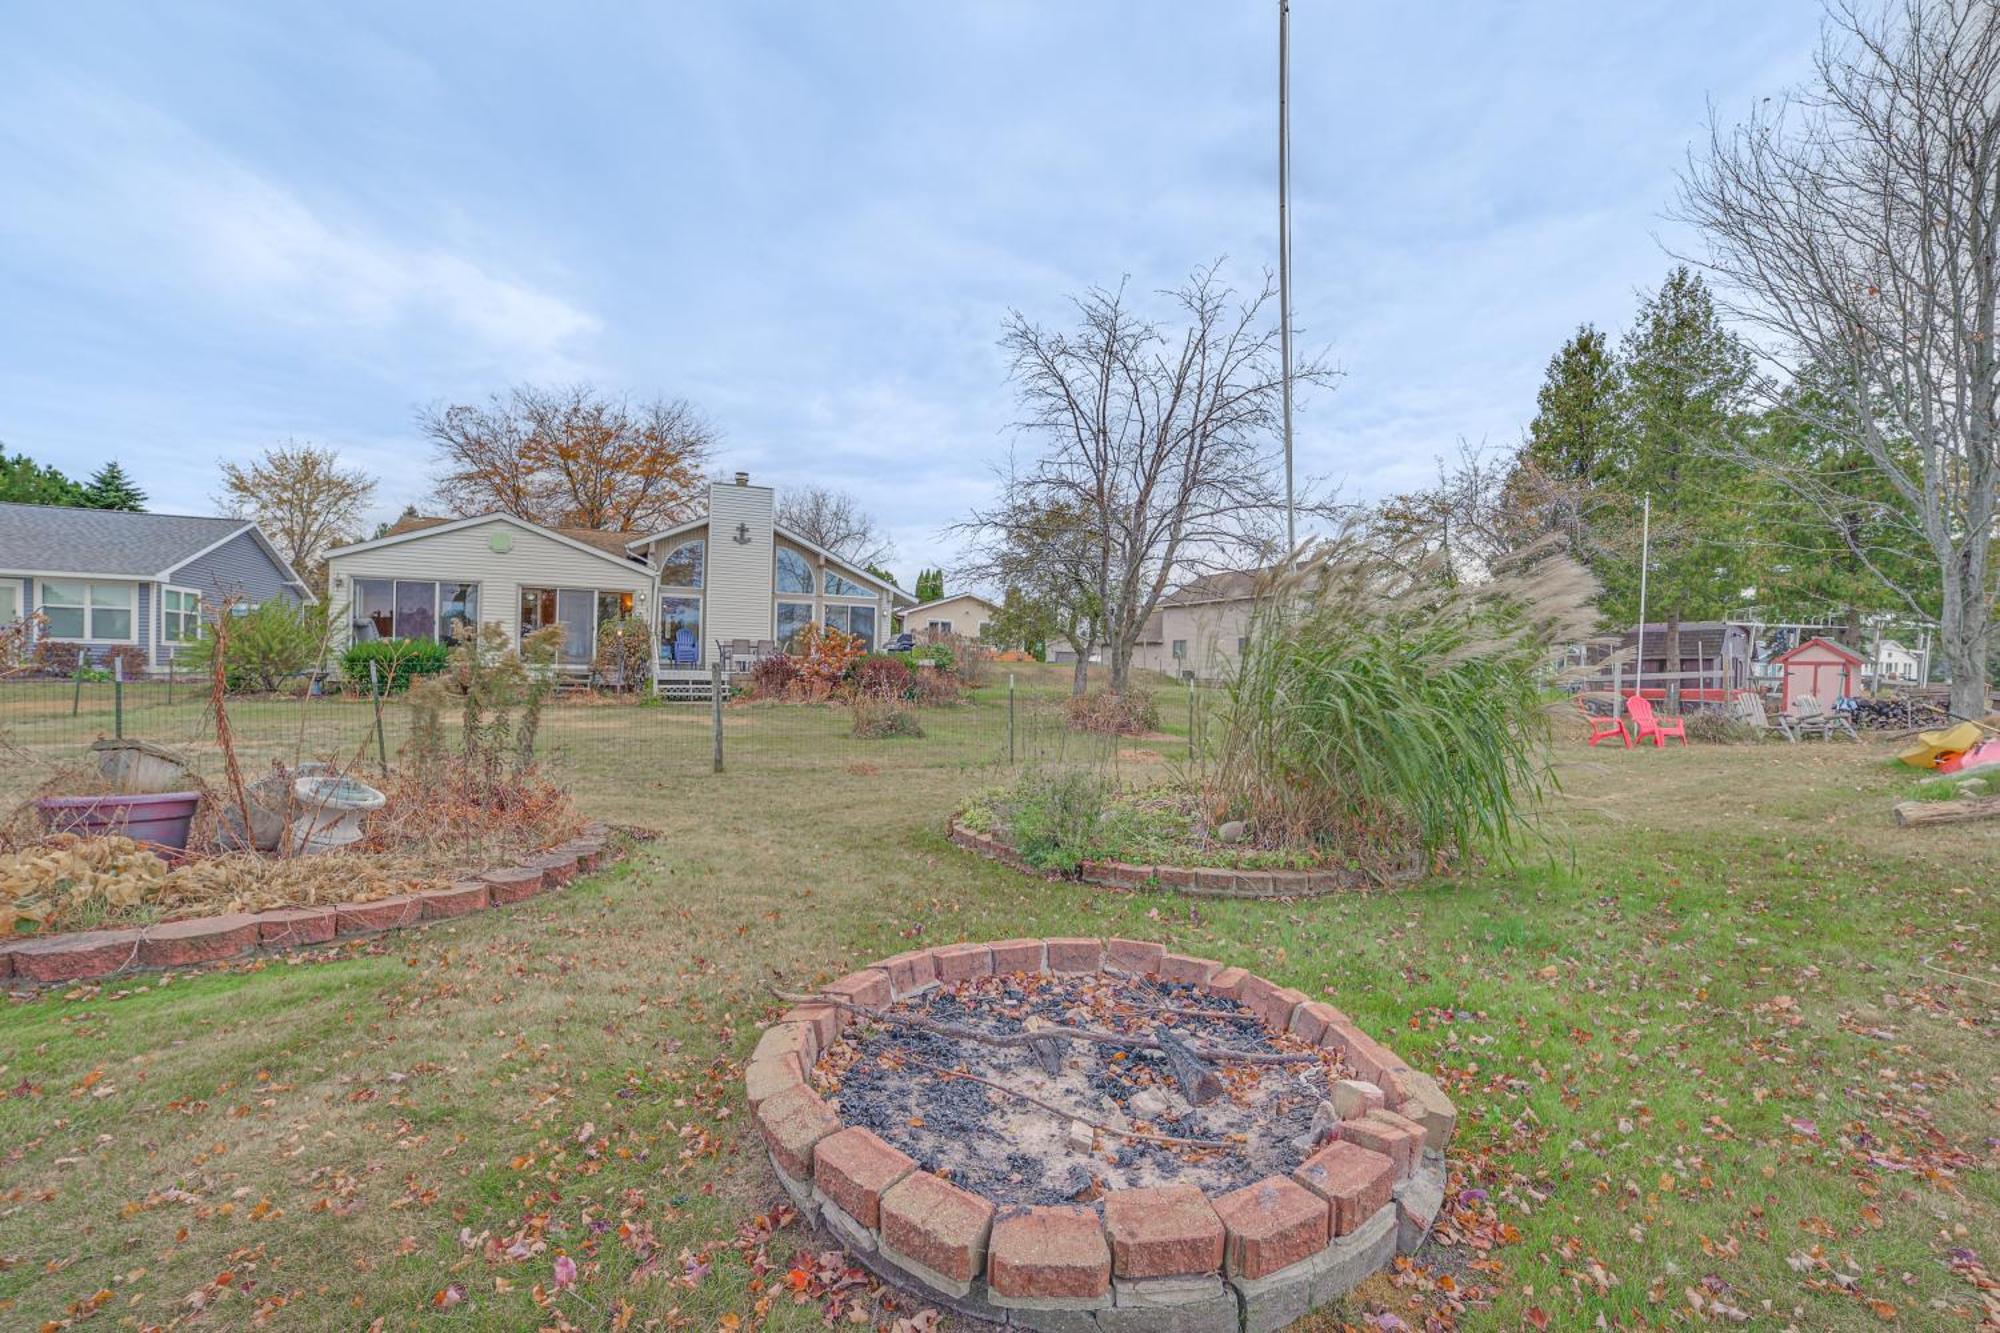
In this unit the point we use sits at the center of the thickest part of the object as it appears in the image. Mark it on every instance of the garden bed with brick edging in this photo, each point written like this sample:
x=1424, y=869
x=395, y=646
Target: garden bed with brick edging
x=1196, y=881
x=1167, y=1257
x=91, y=955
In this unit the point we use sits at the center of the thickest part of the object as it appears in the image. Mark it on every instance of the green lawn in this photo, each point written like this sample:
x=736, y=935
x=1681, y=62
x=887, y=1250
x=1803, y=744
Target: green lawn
x=1732, y=1042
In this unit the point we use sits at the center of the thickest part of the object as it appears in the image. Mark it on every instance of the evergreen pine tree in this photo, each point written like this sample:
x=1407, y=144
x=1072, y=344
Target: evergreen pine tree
x=1577, y=433
x=110, y=488
x=930, y=585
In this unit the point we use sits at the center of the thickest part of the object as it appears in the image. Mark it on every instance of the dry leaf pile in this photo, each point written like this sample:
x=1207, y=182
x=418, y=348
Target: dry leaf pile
x=72, y=883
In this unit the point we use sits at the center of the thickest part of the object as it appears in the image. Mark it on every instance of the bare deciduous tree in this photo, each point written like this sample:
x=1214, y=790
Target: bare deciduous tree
x=302, y=498
x=571, y=457
x=835, y=520
x=1856, y=225
x=1158, y=435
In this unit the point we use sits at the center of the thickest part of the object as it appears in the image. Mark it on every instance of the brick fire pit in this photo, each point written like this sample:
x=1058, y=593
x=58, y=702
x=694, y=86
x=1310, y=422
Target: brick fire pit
x=997, y=1126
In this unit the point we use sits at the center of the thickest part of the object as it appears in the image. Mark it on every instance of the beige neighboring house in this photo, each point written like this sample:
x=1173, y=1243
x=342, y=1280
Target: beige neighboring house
x=964, y=614
x=729, y=585
x=1200, y=628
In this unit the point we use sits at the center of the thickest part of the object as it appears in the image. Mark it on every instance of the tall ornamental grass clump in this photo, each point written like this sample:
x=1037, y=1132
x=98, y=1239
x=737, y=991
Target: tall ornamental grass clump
x=1382, y=705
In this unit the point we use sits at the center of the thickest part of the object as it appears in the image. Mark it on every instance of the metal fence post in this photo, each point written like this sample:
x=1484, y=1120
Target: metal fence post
x=76, y=699
x=1190, y=721
x=375, y=695
x=170, y=681
x=715, y=708
x=118, y=697
x=1010, y=717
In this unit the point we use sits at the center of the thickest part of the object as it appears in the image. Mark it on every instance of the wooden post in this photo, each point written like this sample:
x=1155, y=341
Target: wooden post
x=715, y=708
x=76, y=699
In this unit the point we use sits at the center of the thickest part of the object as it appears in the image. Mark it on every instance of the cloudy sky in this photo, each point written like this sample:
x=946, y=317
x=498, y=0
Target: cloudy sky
x=224, y=225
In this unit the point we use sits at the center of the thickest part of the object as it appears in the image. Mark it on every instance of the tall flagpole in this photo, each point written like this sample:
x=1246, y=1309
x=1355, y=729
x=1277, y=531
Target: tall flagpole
x=1645, y=558
x=1285, y=252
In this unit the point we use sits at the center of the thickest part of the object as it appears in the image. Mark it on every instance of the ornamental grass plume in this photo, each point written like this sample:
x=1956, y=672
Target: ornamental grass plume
x=1382, y=703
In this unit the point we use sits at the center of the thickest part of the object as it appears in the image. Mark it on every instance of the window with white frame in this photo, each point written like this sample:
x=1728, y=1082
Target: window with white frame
x=794, y=574
x=792, y=617
x=1180, y=650
x=856, y=620
x=73, y=609
x=839, y=585
x=414, y=609
x=683, y=566
x=580, y=611
x=180, y=615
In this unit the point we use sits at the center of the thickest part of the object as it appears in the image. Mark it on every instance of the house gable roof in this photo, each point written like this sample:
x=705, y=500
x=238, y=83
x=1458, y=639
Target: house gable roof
x=115, y=543
x=1847, y=653
x=860, y=575
x=1227, y=585
x=604, y=545
x=986, y=602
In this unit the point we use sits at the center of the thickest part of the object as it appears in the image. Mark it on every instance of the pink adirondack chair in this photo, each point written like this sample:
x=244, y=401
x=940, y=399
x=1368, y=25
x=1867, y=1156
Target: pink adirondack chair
x=1604, y=728
x=1647, y=723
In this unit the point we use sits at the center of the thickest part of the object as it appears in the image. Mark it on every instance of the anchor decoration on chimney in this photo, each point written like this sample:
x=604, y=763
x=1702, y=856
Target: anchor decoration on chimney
x=742, y=534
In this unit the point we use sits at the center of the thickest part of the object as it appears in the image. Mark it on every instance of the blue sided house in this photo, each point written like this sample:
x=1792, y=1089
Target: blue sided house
x=134, y=586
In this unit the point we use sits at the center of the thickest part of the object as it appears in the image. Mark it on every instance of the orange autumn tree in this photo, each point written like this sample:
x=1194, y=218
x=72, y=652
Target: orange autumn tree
x=571, y=457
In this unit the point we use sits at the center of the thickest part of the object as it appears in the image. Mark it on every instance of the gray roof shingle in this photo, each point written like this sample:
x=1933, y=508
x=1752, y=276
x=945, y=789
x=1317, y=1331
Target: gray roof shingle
x=53, y=539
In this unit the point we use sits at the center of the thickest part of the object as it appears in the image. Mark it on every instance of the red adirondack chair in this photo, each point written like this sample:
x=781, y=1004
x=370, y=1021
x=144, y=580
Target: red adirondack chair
x=1604, y=728
x=1649, y=724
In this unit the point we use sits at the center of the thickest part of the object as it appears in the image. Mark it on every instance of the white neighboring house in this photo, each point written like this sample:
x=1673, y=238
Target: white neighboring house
x=1894, y=664
x=965, y=614
x=728, y=586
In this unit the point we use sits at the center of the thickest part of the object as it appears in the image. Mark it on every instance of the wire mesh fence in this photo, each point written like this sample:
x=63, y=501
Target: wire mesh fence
x=1016, y=719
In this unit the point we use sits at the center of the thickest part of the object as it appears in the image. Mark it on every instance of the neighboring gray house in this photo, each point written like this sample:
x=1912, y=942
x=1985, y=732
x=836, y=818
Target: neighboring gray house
x=106, y=579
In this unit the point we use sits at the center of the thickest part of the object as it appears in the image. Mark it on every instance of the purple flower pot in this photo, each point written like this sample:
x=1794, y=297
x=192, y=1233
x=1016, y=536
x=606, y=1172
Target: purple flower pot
x=161, y=818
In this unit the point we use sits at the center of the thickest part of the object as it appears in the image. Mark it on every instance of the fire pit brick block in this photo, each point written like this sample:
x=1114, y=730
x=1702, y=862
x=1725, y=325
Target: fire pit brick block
x=793, y=1121
x=383, y=914
x=1354, y=1180
x=1011, y=956
x=1428, y=1106
x=1369, y=1058
x=458, y=900
x=1272, y=1224
x=1073, y=954
x=796, y=1039
x=854, y=1169
x=910, y=973
x=1418, y=1202
x=963, y=962
x=589, y=853
x=1168, y=1231
x=1310, y=1020
x=206, y=939
x=824, y=1020
x=78, y=957
x=513, y=884
x=1228, y=983
x=1393, y=1141
x=767, y=1078
x=939, y=1228
x=1353, y=1098
x=288, y=926
x=1216, y=880
x=1172, y=1304
x=1049, y=1258
x=1134, y=956
x=1273, y=1005
x=1185, y=968
x=869, y=987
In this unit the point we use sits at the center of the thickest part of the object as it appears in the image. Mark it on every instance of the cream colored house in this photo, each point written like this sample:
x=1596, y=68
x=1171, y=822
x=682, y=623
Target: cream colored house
x=1200, y=629
x=727, y=586
x=965, y=614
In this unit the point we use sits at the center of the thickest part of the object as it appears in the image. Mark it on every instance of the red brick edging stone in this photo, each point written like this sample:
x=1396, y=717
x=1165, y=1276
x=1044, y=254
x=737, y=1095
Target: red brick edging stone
x=93, y=954
x=1195, y=881
x=1169, y=1257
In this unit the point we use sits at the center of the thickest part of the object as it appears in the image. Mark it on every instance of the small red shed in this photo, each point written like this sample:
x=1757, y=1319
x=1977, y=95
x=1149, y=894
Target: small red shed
x=1821, y=668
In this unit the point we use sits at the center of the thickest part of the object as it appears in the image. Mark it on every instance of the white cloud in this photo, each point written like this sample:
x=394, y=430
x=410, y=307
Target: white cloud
x=135, y=197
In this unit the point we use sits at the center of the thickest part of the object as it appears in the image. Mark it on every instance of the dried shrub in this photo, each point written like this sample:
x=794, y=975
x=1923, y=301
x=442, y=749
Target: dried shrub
x=17, y=644
x=1113, y=713
x=934, y=688
x=881, y=677
x=974, y=664
x=878, y=719
x=772, y=677
x=624, y=656
x=127, y=660
x=1712, y=726
x=56, y=658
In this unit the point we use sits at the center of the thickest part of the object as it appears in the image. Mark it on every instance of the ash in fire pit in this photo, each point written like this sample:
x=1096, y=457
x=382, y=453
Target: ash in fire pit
x=926, y=1075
